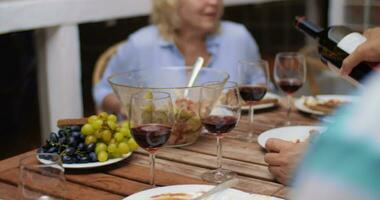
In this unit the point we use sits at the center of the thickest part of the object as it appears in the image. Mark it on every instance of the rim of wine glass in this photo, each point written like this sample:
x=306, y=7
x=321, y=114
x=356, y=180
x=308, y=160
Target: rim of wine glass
x=290, y=54
x=140, y=95
x=110, y=78
x=37, y=156
x=261, y=61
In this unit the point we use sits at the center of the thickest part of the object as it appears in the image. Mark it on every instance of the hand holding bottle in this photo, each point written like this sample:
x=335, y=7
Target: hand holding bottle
x=368, y=51
x=336, y=43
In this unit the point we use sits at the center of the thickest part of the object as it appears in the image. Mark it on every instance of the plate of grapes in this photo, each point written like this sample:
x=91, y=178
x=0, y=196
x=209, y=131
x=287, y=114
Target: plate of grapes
x=90, y=142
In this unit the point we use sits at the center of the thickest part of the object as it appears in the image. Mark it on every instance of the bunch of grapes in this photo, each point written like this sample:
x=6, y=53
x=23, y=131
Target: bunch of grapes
x=112, y=140
x=69, y=143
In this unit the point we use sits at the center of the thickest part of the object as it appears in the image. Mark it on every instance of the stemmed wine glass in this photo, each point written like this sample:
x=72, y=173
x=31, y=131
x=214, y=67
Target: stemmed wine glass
x=220, y=113
x=151, y=121
x=42, y=180
x=289, y=75
x=253, y=83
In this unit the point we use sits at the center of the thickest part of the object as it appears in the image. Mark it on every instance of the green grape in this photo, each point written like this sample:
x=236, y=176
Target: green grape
x=125, y=140
x=97, y=124
x=112, y=141
x=112, y=125
x=148, y=95
x=123, y=148
x=90, y=139
x=112, y=148
x=118, y=137
x=117, y=128
x=98, y=133
x=87, y=129
x=116, y=155
x=132, y=144
x=92, y=118
x=126, y=132
x=125, y=124
x=149, y=107
x=106, y=135
x=102, y=156
x=103, y=115
x=112, y=118
x=100, y=147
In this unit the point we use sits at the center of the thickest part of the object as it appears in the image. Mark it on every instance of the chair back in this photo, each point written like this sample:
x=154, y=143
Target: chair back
x=102, y=62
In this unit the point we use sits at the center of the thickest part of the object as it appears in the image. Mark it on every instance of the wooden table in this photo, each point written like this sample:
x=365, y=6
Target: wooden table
x=174, y=166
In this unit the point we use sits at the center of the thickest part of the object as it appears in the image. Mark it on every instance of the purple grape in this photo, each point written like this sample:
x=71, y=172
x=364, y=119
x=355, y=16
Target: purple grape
x=93, y=157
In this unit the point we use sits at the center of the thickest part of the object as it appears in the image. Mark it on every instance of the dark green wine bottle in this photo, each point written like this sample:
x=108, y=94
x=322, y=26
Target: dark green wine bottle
x=335, y=44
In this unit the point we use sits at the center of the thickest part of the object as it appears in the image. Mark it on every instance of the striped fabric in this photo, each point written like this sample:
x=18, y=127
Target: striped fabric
x=344, y=162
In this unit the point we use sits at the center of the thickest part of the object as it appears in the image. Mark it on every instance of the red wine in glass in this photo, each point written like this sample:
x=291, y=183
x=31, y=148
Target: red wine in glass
x=252, y=93
x=151, y=136
x=290, y=85
x=219, y=124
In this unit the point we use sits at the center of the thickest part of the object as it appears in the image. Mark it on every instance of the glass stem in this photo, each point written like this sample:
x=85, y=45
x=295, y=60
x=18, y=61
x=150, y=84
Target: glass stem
x=218, y=153
x=152, y=157
x=289, y=97
x=251, y=114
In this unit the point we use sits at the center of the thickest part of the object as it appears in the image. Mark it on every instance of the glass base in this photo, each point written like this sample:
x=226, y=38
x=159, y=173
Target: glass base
x=218, y=176
x=245, y=138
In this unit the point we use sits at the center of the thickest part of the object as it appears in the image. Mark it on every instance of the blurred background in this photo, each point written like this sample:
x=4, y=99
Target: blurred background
x=270, y=22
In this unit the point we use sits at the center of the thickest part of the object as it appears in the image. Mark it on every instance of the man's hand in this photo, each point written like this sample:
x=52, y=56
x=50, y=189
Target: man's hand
x=283, y=158
x=368, y=51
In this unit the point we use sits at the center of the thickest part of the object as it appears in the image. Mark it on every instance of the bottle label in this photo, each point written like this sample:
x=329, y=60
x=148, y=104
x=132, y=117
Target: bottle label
x=351, y=41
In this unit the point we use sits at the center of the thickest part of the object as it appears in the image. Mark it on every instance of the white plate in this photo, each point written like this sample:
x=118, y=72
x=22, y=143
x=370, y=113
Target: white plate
x=90, y=164
x=299, y=103
x=288, y=133
x=268, y=95
x=195, y=190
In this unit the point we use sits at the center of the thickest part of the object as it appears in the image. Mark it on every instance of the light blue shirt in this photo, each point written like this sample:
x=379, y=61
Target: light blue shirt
x=146, y=48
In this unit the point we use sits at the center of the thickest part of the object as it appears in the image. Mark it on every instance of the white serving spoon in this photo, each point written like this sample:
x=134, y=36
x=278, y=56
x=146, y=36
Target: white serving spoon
x=196, y=68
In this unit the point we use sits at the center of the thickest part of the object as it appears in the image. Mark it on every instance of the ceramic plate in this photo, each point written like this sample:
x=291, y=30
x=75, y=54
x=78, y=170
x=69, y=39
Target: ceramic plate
x=88, y=165
x=299, y=103
x=288, y=133
x=192, y=191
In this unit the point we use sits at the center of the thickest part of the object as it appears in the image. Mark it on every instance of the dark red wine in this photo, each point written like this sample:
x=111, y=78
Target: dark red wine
x=290, y=85
x=219, y=124
x=151, y=136
x=335, y=44
x=252, y=93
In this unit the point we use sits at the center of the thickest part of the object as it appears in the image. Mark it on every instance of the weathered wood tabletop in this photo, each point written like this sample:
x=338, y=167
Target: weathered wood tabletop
x=173, y=166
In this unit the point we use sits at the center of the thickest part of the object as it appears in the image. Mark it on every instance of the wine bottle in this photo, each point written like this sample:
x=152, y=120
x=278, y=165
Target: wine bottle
x=335, y=44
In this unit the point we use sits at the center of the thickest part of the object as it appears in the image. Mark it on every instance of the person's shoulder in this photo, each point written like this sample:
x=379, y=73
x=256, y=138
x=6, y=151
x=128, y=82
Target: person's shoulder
x=230, y=28
x=147, y=35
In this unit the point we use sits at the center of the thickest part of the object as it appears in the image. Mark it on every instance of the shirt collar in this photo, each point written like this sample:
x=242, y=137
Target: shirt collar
x=211, y=41
x=165, y=43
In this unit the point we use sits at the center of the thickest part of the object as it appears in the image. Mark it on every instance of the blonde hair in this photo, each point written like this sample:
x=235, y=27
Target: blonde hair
x=165, y=16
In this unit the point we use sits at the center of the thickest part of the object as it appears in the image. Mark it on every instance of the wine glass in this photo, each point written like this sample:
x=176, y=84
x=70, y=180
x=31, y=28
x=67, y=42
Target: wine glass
x=253, y=83
x=41, y=181
x=289, y=75
x=220, y=113
x=151, y=121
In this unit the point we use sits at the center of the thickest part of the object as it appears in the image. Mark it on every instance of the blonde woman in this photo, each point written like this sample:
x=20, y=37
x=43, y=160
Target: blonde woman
x=181, y=30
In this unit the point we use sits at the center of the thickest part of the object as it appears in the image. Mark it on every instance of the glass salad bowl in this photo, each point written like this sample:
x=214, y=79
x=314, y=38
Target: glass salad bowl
x=174, y=80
